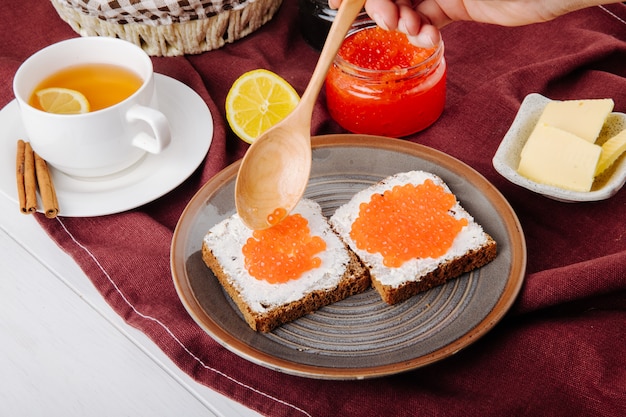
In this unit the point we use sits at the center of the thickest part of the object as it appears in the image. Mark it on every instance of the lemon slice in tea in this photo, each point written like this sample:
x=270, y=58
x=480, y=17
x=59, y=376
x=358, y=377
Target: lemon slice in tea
x=257, y=101
x=62, y=101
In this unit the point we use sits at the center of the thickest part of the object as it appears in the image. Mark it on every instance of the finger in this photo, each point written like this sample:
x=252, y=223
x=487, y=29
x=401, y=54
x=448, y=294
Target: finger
x=428, y=37
x=432, y=13
x=409, y=21
x=432, y=17
x=384, y=12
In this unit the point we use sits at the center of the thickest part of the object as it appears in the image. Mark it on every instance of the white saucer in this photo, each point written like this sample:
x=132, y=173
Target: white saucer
x=153, y=176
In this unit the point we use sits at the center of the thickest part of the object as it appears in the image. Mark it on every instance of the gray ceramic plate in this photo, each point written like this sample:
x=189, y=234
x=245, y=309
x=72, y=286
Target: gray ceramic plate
x=360, y=337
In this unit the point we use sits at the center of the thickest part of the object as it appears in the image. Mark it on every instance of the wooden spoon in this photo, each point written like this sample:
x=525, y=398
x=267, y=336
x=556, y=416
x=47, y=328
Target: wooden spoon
x=275, y=170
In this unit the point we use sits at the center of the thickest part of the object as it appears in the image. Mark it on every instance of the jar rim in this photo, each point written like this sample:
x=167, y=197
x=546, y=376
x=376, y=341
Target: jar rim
x=368, y=24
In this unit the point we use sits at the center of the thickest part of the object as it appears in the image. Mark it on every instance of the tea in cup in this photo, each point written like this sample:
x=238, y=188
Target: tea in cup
x=101, y=85
x=89, y=106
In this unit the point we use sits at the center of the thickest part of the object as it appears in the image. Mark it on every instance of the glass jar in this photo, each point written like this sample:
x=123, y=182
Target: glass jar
x=394, y=102
x=316, y=17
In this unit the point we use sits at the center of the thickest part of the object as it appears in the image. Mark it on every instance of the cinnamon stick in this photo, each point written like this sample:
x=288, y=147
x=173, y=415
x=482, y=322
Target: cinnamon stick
x=46, y=188
x=26, y=180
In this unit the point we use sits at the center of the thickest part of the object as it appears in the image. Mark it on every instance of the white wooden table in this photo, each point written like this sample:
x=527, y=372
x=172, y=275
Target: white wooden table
x=65, y=352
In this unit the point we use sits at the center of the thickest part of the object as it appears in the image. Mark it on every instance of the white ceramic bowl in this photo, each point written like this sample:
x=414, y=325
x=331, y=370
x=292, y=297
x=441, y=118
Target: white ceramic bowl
x=506, y=158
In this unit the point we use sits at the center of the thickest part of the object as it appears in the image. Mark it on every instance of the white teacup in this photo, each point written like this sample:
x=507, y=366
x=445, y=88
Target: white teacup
x=100, y=142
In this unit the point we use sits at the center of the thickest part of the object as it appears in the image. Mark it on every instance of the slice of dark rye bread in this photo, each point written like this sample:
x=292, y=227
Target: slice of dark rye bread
x=340, y=275
x=471, y=249
x=354, y=280
x=446, y=271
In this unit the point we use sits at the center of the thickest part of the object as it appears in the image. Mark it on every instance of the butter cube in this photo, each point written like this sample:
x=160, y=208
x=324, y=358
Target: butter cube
x=555, y=157
x=583, y=118
x=612, y=149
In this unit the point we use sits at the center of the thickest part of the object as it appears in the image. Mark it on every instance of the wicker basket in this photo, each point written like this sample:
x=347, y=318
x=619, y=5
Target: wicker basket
x=185, y=27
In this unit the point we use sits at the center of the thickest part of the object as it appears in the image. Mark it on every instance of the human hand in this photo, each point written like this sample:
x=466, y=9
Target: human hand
x=421, y=19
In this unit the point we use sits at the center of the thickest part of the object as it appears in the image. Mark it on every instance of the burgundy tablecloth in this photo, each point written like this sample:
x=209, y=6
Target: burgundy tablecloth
x=560, y=351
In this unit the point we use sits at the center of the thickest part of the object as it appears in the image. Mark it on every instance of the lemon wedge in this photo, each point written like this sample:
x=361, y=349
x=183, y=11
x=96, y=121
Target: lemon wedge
x=258, y=100
x=62, y=101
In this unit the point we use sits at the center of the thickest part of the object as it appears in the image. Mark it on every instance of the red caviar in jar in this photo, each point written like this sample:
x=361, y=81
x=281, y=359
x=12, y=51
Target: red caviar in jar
x=284, y=251
x=407, y=222
x=381, y=84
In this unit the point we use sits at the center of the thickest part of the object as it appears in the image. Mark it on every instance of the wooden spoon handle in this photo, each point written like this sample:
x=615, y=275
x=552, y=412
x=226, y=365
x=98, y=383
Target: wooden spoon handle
x=347, y=13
